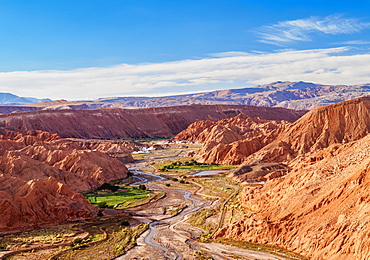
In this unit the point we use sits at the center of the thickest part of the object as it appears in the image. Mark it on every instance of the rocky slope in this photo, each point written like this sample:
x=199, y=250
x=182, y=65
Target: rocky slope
x=28, y=205
x=40, y=175
x=339, y=123
x=131, y=123
x=320, y=207
x=229, y=141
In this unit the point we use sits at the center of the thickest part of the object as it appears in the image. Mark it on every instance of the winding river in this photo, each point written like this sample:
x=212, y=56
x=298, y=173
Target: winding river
x=171, y=237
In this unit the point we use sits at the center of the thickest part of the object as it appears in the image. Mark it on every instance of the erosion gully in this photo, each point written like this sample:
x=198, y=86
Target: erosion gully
x=173, y=238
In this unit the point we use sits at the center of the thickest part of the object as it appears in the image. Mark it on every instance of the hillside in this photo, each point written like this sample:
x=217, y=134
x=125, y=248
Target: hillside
x=319, y=207
x=229, y=141
x=41, y=175
x=132, y=123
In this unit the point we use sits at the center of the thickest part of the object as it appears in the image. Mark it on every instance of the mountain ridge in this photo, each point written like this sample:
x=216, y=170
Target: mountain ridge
x=295, y=95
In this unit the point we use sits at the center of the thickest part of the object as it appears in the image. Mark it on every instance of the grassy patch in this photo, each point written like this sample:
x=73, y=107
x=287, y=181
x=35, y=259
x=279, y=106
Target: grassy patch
x=120, y=199
x=199, y=218
x=117, y=244
x=185, y=166
x=51, y=235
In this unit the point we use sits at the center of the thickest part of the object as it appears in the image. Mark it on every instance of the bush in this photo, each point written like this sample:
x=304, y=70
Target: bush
x=175, y=179
x=77, y=240
x=102, y=204
x=168, y=185
x=182, y=181
x=142, y=187
x=125, y=223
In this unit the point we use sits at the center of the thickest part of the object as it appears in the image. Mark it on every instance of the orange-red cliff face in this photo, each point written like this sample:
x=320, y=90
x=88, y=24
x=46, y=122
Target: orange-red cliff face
x=229, y=141
x=321, y=207
x=41, y=155
x=339, y=123
x=38, y=202
x=40, y=174
x=127, y=123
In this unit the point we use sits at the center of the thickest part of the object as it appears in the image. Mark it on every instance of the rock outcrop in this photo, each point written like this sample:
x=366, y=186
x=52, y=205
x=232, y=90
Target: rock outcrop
x=130, y=123
x=321, y=207
x=339, y=123
x=230, y=141
x=38, y=155
x=28, y=205
x=41, y=175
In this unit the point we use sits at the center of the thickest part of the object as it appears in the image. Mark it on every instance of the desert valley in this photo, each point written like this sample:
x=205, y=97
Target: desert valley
x=212, y=179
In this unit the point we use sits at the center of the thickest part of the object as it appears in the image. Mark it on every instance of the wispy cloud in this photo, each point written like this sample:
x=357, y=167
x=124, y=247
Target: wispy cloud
x=355, y=42
x=287, y=32
x=326, y=66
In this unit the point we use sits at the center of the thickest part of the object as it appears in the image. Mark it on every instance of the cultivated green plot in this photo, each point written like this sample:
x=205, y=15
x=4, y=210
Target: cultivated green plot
x=129, y=196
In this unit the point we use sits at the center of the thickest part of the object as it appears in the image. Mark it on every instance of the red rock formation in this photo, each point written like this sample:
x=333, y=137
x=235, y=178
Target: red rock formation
x=230, y=141
x=320, y=209
x=40, y=174
x=128, y=123
x=42, y=155
x=38, y=202
x=339, y=123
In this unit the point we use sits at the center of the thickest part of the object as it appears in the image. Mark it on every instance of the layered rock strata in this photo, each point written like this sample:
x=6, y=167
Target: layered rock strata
x=41, y=175
x=320, y=208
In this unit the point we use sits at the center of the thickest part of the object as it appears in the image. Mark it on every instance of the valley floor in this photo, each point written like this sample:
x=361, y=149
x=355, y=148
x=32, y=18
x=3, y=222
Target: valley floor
x=179, y=225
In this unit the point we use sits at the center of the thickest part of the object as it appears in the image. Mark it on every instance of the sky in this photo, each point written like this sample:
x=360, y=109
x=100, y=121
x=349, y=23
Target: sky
x=88, y=49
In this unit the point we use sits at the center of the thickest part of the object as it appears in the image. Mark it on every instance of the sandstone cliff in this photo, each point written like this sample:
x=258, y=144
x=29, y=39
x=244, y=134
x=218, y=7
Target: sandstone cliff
x=320, y=208
x=38, y=202
x=129, y=123
x=40, y=174
x=230, y=141
x=36, y=155
x=339, y=123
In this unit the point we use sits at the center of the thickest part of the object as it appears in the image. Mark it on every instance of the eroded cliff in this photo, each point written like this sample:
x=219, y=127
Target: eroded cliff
x=41, y=175
x=320, y=208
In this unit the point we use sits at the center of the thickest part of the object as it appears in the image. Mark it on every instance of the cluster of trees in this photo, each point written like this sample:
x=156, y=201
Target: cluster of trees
x=108, y=186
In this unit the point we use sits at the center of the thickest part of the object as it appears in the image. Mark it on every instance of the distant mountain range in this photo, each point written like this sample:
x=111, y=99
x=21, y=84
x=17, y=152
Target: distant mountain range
x=14, y=100
x=293, y=95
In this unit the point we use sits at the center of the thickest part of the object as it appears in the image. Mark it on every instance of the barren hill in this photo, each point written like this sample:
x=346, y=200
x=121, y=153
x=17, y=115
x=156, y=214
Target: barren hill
x=129, y=123
x=40, y=174
x=230, y=141
x=338, y=123
x=320, y=206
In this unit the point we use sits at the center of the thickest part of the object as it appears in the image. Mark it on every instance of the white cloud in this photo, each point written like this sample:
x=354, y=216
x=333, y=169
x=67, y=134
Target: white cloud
x=326, y=66
x=355, y=42
x=287, y=32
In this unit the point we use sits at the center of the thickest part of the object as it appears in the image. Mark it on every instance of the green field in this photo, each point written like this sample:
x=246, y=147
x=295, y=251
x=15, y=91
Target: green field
x=130, y=196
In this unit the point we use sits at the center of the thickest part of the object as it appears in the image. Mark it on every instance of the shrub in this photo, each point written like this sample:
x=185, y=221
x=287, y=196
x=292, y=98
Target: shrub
x=175, y=179
x=142, y=187
x=125, y=223
x=102, y=204
x=182, y=181
x=77, y=240
x=168, y=185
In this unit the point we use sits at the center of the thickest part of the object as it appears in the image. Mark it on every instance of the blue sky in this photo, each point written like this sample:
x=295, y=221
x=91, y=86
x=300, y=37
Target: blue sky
x=99, y=48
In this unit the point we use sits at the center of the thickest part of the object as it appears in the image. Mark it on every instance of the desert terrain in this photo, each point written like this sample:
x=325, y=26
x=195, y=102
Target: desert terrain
x=241, y=187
